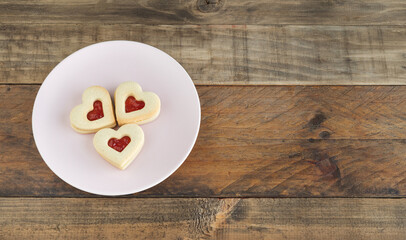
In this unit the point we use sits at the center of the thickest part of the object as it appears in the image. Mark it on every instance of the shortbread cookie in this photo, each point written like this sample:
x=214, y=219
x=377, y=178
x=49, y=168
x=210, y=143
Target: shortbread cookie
x=119, y=147
x=135, y=106
x=95, y=112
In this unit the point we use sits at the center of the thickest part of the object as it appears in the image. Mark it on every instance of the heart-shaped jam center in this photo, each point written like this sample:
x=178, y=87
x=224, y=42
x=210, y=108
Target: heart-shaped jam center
x=119, y=144
x=132, y=104
x=97, y=111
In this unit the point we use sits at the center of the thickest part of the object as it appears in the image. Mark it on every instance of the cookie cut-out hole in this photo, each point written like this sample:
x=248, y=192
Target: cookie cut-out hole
x=119, y=144
x=132, y=104
x=97, y=111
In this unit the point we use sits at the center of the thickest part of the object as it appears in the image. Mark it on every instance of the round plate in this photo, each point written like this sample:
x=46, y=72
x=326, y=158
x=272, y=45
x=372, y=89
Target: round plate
x=168, y=140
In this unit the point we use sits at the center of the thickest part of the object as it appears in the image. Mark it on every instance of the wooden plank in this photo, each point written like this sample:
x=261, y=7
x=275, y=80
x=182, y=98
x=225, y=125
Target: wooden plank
x=173, y=218
x=223, y=54
x=254, y=141
x=355, y=12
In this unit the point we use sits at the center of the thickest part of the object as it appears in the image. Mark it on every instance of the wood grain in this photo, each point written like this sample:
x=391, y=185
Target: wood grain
x=223, y=54
x=253, y=142
x=326, y=12
x=232, y=218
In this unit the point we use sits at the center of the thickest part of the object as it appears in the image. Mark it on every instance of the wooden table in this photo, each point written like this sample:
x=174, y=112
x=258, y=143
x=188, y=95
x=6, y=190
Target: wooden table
x=277, y=157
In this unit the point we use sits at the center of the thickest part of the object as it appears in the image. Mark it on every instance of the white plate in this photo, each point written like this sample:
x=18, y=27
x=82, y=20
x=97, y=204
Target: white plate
x=168, y=140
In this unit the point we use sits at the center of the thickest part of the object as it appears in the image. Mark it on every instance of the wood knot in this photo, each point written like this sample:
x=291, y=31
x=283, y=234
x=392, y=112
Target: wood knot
x=316, y=121
x=324, y=134
x=326, y=164
x=208, y=6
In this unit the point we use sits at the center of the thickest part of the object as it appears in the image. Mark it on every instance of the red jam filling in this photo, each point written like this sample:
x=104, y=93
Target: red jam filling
x=132, y=104
x=97, y=111
x=119, y=144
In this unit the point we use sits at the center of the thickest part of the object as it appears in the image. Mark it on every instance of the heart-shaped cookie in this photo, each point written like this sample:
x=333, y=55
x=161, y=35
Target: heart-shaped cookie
x=95, y=112
x=119, y=147
x=135, y=106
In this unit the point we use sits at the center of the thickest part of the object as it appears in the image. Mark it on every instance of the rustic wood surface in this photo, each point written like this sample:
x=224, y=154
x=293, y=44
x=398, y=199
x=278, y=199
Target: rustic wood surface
x=223, y=54
x=254, y=141
x=149, y=218
x=260, y=147
x=326, y=12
